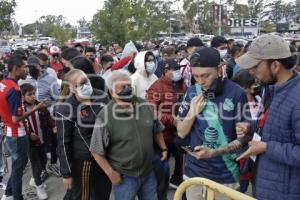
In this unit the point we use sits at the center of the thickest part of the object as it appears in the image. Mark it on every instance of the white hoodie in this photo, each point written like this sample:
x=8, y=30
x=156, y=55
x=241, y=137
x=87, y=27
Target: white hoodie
x=140, y=81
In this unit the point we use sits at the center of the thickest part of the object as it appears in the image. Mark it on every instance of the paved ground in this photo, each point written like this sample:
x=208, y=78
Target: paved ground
x=55, y=187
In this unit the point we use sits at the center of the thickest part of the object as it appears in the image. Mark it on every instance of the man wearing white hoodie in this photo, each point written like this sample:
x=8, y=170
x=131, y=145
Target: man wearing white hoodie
x=145, y=64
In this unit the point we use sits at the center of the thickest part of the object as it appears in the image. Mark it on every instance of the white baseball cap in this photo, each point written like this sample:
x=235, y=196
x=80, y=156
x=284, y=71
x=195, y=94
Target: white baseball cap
x=54, y=50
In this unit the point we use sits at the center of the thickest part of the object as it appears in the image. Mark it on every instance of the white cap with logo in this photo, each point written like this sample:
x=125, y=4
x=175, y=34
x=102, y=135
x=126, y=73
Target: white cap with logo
x=264, y=47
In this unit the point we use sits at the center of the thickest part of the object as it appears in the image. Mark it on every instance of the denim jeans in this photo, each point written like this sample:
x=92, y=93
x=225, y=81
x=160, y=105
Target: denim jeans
x=143, y=187
x=162, y=174
x=18, y=148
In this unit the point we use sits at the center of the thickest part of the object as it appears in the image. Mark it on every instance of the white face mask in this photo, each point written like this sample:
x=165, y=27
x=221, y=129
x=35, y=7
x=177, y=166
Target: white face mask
x=176, y=76
x=85, y=91
x=156, y=53
x=223, y=53
x=151, y=67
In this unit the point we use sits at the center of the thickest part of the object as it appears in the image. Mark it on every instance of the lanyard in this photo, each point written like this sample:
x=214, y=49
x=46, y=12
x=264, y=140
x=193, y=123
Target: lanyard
x=264, y=116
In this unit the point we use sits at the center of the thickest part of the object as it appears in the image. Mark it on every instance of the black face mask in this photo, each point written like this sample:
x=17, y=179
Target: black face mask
x=214, y=90
x=126, y=94
x=257, y=91
x=92, y=59
x=34, y=72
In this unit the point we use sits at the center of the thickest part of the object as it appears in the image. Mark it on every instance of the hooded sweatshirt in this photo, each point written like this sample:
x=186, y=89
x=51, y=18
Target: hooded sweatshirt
x=140, y=81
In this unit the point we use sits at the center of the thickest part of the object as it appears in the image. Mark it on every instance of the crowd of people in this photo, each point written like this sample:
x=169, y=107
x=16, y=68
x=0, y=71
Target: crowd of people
x=109, y=120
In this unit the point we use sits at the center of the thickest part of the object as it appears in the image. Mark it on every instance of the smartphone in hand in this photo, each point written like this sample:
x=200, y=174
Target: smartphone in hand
x=188, y=148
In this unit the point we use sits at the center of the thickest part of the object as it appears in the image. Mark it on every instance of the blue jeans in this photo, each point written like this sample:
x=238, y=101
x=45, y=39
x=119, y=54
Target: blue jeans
x=18, y=148
x=143, y=187
x=162, y=174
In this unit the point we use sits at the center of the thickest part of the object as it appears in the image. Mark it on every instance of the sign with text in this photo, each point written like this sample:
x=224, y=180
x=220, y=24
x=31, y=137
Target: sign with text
x=234, y=23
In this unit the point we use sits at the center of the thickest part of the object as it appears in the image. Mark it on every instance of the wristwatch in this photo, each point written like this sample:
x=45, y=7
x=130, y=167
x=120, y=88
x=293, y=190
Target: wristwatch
x=163, y=150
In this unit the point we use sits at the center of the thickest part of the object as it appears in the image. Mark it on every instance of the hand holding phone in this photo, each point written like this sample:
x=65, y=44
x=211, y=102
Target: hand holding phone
x=188, y=148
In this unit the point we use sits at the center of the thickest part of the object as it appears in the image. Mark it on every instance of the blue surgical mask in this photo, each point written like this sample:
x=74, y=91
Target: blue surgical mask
x=85, y=91
x=151, y=67
x=176, y=76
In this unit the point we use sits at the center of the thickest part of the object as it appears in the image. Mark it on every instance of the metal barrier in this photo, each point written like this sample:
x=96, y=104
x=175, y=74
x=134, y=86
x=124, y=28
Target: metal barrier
x=212, y=187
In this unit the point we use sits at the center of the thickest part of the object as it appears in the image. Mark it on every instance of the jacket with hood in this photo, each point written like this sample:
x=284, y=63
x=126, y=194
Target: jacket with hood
x=140, y=81
x=75, y=124
x=164, y=94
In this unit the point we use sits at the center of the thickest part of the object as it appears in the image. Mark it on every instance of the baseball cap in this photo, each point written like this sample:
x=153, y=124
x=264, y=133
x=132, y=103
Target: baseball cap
x=264, y=47
x=206, y=57
x=54, y=50
x=171, y=64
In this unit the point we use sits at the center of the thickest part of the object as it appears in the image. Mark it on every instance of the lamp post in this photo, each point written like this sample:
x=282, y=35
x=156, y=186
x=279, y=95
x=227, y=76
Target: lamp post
x=220, y=18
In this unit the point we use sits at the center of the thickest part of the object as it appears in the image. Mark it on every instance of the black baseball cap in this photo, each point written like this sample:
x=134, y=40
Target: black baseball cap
x=206, y=57
x=171, y=64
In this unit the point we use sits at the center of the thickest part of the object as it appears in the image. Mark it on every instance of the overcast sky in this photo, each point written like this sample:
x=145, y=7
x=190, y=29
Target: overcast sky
x=27, y=11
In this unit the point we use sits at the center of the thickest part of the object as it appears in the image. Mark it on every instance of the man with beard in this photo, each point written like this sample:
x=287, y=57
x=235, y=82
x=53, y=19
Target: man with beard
x=208, y=115
x=277, y=136
x=90, y=53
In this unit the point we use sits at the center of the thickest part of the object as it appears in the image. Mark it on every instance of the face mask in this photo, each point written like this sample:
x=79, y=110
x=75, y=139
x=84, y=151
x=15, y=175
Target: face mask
x=119, y=56
x=92, y=59
x=85, y=91
x=150, y=67
x=34, y=72
x=176, y=76
x=214, y=90
x=126, y=94
x=223, y=53
x=156, y=53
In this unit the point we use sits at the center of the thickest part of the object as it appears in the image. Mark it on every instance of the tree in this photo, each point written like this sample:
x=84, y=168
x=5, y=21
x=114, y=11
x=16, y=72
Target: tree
x=199, y=12
x=52, y=26
x=61, y=35
x=82, y=22
x=256, y=8
x=124, y=20
x=297, y=10
x=240, y=11
x=6, y=10
x=268, y=28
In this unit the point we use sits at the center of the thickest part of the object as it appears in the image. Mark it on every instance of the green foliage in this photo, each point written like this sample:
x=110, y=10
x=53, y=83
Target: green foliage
x=267, y=27
x=6, y=10
x=52, y=26
x=199, y=12
x=124, y=20
x=61, y=35
x=240, y=11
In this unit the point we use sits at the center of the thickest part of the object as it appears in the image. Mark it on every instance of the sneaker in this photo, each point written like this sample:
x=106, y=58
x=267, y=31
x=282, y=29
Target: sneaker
x=41, y=192
x=2, y=186
x=32, y=184
x=4, y=197
x=44, y=175
x=174, y=183
x=53, y=169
